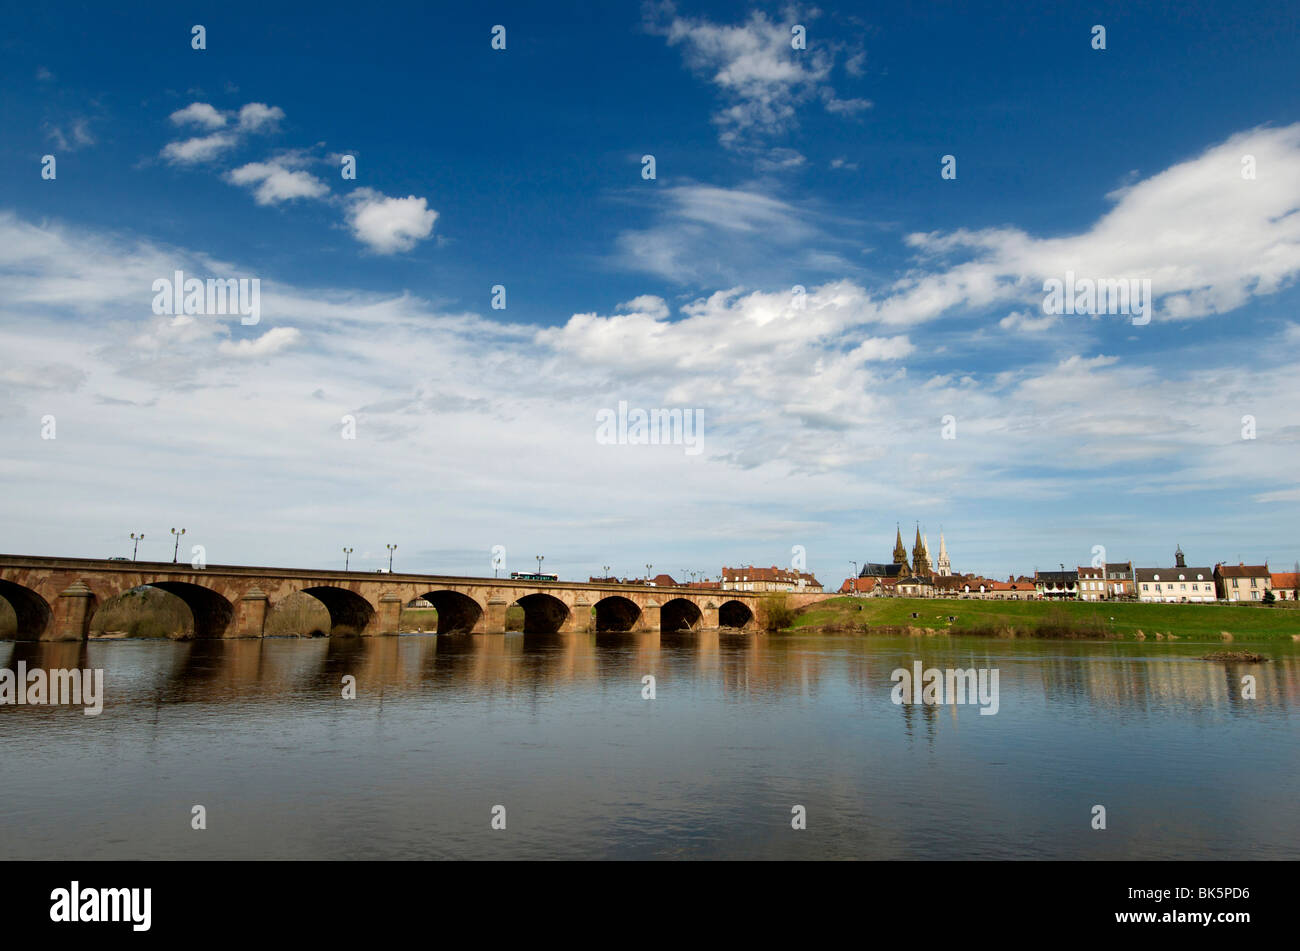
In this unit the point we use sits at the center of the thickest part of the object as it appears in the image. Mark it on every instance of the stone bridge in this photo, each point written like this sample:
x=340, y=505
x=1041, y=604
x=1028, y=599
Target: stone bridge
x=55, y=599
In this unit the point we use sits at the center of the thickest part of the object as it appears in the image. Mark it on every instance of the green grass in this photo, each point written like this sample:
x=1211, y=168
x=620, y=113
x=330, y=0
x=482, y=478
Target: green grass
x=1053, y=619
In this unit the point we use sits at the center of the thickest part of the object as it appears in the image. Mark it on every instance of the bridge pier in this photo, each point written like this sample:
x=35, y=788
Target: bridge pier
x=250, y=620
x=495, y=620
x=579, y=619
x=388, y=620
x=650, y=616
x=709, y=616
x=72, y=614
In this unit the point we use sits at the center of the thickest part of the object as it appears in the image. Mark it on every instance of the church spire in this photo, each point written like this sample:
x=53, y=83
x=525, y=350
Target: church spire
x=943, y=566
x=900, y=552
x=920, y=555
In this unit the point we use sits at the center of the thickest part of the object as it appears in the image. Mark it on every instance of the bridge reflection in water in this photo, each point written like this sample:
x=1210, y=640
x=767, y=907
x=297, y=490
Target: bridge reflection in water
x=556, y=727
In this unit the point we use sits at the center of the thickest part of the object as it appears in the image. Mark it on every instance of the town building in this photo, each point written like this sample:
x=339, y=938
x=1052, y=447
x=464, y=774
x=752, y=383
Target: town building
x=1242, y=582
x=1057, y=585
x=1016, y=589
x=1286, y=585
x=1180, y=583
x=750, y=578
x=1119, y=580
x=1092, y=583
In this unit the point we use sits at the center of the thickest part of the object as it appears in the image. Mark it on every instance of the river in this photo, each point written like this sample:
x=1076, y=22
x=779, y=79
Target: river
x=741, y=730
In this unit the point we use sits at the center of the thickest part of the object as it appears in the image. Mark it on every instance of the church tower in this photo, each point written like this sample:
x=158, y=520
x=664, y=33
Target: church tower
x=943, y=566
x=900, y=553
x=920, y=557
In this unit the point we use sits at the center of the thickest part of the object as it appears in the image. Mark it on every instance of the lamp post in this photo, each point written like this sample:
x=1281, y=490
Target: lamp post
x=136, y=538
x=347, y=555
x=177, y=548
x=391, y=549
x=647, y=574
x=605, y=572
x=540, y=559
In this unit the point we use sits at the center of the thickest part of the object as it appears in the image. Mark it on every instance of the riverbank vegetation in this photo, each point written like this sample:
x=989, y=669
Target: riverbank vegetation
x=1054, y=619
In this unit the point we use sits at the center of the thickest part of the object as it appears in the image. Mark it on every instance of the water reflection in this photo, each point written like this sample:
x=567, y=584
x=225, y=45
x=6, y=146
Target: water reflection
x=741, y=727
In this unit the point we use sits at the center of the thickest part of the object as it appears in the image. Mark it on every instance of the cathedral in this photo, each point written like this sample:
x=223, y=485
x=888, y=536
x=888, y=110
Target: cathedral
x=919, y=566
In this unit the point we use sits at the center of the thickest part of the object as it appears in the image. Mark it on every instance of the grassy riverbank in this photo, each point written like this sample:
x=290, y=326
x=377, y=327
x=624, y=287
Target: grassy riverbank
x=1198, y=622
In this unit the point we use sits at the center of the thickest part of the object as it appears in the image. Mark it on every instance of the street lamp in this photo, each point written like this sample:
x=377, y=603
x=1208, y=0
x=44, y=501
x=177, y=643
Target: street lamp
x=391, y=549
x=540, y=559
x=347, y=554
x=605, y=570
x=136, y=538
x=177, y=548
x=647, y=573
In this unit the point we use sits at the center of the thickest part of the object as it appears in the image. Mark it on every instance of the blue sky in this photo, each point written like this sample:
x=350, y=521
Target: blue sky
x=775, y=167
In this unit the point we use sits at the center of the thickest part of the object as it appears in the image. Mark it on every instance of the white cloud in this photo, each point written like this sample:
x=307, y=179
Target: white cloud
x=257, y=116
x=1206, y=238
x=199, y=149
x=273, y=341
x=275, y=183
x=1020, y=320
x=387, y=225
x=74, y=135
x=201, y=114
x=253, y=117
x=761, y=77
x=702, y=234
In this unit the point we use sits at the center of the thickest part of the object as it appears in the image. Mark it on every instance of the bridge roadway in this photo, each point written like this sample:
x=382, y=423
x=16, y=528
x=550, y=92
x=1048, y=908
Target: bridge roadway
x=56, y=598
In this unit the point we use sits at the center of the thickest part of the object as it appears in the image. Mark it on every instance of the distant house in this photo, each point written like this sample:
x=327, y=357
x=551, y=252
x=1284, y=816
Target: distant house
x=916, y=586
x=863, y=587
x=658, y=581
x=1119, y=580
x=1092, y=583
x=1111, y=581
x=1177, y=584
x=1022, y=589
x=603, y=581
x=750, y=578
x=1243, y=582
x=948, y=586
x=1286, y=585
x=1057, y=585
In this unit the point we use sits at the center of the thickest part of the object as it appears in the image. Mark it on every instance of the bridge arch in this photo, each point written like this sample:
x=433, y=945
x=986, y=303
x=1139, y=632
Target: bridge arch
x=350, y=614
x=212, y=613
x=31, y=610
x=543, y=613
x=617, y=613
x=680, y=614
x=735, y=614
x=457, y=613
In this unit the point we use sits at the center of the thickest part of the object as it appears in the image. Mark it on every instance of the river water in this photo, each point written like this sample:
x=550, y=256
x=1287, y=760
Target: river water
x=741, y=729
